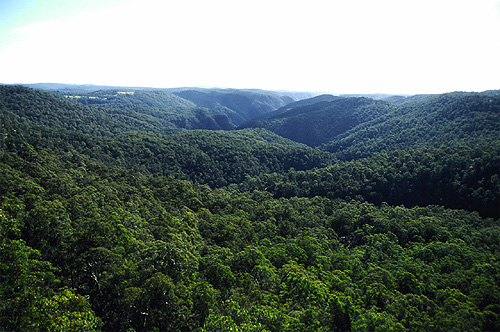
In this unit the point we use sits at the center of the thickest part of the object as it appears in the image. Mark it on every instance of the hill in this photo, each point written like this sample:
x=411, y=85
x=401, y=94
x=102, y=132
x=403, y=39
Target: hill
x=90, y=246
x=108, y=112
x=301, y=103
x=216, y=158
x=353, y=128
x=109, y=224
x=431, y=121
x=128, y=97
x=238, y=105
x=458, y=176
x=321, y=119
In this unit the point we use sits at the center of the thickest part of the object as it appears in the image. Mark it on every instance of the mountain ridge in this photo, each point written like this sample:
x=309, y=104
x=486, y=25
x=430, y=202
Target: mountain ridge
x=124, y=215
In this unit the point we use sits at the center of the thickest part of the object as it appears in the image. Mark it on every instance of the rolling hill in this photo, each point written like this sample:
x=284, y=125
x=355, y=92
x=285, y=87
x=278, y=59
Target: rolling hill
x=321, y=119
x=357, y=127
x=117, y=214
x=431, y=121
x=109, y=112
x=210, y=157
x=238, y=105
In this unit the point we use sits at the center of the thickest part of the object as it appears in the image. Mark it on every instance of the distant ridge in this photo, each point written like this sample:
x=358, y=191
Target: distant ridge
x=295, y=95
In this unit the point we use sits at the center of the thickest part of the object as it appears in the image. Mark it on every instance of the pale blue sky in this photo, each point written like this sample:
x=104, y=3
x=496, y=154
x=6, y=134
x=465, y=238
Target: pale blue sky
x=355, y=46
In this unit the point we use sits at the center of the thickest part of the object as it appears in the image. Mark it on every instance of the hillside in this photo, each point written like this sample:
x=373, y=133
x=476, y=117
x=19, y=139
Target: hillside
x=118, y=216
x=358, y=127
x=431, y=121
x=107, y=244
x=129, y=97
x=108, y=112
x=42, y=108
x=458, y=176
x=238, y=105
x=321, y=119
x=217, y=158
x=299, y=104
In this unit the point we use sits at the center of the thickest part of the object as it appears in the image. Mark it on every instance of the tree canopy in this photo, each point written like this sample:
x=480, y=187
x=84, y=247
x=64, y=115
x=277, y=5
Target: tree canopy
x=105, y=226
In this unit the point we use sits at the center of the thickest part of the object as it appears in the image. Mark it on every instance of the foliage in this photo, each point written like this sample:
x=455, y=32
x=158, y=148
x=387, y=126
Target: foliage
x=321, y=121
x=104, y=113
x=138, y=231
x=458, y=176
x=152, y=252
x=432, y=121
x=238, y=105
x=354, y=128
x=157, y=107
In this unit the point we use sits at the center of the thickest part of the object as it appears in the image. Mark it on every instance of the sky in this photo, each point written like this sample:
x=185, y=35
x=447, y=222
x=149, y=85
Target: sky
x=334, y=46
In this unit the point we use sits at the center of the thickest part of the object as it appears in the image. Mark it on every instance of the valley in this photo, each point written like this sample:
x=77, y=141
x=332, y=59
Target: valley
x=189, y=209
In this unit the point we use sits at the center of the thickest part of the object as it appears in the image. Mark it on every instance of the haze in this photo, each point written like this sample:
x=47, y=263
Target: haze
x=325, y=46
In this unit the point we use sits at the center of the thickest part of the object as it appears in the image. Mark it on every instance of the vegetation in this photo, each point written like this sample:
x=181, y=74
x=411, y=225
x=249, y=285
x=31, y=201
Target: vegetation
x=354, y=128
x=239, y=105
x=433, y=121
x=108, y=112
x=458, y=176
x=107, y=229
x=322, y=121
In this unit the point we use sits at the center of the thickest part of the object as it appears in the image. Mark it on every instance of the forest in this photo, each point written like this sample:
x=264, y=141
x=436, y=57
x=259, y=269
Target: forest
x=248, y=210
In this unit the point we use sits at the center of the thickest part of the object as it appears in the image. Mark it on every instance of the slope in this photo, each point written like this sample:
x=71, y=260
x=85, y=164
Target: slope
x=129, y=97
x=458, y=176
x=320, y=119
x=431, y=121
x=90, y=247
x=97, y=234
x=217, y=158
x=238, y=105
x=109, y=112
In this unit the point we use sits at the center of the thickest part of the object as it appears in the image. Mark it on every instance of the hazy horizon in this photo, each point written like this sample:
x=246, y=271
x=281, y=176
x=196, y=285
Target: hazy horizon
x=231, y=88
x=338, y=47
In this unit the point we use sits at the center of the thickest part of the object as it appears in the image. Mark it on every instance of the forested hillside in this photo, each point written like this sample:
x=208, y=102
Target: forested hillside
x=229, y=107
x=42, y=108
x=458, y=176
x=239, y=105
x=322, y=120
x=108, y=113
x=116, y=219
x=357, y=127
x=432, y=121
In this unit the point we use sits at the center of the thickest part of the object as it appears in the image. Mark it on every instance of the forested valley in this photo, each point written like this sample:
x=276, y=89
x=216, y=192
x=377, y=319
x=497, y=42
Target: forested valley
x=248, y=210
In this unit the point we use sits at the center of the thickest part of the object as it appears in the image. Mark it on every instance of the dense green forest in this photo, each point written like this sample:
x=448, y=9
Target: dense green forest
x=323, y=120
x=243, y=104
x=358, y=127
x=433, y=121
x=458, y=176
x=228, y=107
x=113, y=217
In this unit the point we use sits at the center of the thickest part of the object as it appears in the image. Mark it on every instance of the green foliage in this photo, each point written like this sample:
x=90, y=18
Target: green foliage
x=458, y=176
x=435, y=121
x=139, y=232
x=354, y=128
x=216, y=158
x=29, y=298
x=108, y=112
x=39, y=108
x=120, y=98
x=322, y=119
x=238, y=105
